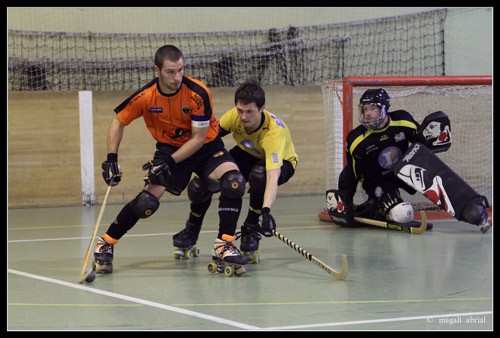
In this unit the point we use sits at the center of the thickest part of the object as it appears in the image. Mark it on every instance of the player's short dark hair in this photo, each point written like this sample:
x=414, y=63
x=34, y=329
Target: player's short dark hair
x=250, y=91
x=167, y=52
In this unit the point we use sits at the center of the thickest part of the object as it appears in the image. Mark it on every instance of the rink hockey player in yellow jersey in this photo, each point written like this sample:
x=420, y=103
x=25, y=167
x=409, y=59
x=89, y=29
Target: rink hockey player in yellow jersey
x=266, y=157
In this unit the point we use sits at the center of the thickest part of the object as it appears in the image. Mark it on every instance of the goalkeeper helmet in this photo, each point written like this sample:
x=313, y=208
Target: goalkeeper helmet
x=378, y=97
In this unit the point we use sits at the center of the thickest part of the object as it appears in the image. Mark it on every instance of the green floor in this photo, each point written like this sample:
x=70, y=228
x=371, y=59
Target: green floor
x=441, y=280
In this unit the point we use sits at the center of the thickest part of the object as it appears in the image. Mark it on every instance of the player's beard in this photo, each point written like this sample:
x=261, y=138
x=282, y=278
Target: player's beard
x=374, y=122
x=169, y=86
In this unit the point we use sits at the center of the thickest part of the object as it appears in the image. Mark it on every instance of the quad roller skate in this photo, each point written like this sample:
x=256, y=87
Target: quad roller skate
x=249, y=245
x=103, y=257
x=227, y=258
x=184, y=242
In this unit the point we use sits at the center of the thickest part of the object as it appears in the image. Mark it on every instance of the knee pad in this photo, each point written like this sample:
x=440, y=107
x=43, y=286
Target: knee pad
x=145, y=204
x=232, y=184
x=257, y=179
x=475, y=212
x=198, y=191
x=401, y=213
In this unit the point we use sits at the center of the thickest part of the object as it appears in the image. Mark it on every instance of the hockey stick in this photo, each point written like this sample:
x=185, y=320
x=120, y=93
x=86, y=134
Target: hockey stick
x=83, y=274
x=338, y=274
x=395, y=226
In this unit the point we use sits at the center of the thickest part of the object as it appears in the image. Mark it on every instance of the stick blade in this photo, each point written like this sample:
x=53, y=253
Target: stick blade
x=88, y=277
x=344, y=268
x=423, y=224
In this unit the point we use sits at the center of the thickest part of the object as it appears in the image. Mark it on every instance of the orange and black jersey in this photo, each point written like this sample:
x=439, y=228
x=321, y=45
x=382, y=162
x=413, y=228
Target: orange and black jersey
x=170, y=117
x=372, y=153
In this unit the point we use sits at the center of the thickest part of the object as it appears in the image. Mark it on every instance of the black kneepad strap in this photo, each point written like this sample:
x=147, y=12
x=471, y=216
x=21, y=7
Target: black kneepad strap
x=232, y=184
x=145, y=204
x=198, y=191
x=257, y=178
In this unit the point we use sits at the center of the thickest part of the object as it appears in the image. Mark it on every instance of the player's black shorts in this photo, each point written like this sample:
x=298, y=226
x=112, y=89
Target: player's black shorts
x=245, y=162
x=203, y=162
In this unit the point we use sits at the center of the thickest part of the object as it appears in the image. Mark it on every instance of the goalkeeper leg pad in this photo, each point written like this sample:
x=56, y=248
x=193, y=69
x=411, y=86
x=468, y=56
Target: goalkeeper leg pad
x=422, y=170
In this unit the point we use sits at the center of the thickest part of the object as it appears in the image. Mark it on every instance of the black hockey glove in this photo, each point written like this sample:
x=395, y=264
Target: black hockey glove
x=159, y=171
x=268, y=224
x=111, y=170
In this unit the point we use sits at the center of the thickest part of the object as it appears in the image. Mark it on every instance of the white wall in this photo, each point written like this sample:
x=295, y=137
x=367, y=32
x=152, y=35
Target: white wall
x=188, y=19
x=469, y=42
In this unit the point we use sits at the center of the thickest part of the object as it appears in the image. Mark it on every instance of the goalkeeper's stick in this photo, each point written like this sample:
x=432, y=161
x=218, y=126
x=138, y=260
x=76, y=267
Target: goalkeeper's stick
x=397, y=226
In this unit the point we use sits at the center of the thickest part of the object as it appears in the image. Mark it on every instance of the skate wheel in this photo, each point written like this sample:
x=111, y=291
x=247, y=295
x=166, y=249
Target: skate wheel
x=195, y=252
x=179, y=254
x=186, y=253
x=228, y=271
x=212, y=267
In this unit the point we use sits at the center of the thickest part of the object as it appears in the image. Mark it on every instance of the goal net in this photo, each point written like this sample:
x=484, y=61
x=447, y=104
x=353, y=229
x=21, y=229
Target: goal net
x=466, y=99
x=296, y=56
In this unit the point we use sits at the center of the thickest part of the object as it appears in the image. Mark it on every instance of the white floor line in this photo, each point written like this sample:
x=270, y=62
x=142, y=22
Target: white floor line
x=138, y=301
x=46, y=239
x=48, y=227
x=88, y=237
x=344, y=302
x=149, y=235
x=428, y=318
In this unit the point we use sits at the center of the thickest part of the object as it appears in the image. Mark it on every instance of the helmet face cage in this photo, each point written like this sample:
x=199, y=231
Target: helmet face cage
x=380, y=98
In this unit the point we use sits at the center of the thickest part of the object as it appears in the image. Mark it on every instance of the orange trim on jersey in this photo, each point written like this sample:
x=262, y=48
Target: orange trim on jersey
x=169, y=118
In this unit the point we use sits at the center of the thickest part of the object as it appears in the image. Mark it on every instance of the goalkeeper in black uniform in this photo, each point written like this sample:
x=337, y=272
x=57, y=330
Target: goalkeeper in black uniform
x=390, y=151
x=372, y=149
x=379, y=148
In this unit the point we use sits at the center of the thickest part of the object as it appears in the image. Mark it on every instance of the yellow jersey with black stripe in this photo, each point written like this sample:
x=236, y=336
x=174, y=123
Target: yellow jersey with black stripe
x=272, y=142
x=371, y=153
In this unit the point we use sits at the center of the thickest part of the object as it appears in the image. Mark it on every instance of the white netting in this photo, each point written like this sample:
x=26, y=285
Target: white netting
x=469, y=108
x=402, y=45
